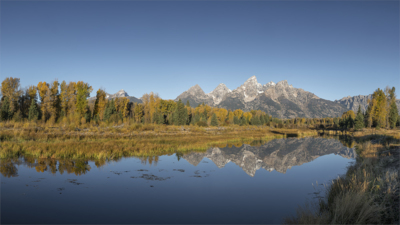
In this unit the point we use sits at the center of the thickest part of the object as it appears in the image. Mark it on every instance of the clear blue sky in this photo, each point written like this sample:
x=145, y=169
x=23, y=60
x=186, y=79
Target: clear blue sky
x=333, y=49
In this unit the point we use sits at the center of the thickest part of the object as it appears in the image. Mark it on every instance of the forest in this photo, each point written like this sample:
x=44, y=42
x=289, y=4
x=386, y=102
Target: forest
x=68, y=104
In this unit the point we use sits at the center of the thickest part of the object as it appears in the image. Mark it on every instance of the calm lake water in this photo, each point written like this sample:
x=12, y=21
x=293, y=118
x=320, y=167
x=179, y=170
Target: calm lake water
x=245, y=184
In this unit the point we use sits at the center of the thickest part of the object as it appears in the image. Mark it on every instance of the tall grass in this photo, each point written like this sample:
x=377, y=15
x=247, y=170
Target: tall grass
x=367, y=194
x=151, y=140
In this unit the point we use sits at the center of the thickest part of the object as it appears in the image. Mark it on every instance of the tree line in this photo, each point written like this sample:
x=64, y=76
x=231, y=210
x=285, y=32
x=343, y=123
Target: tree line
x=64, y=102
x=381, y=112
x=69, y=103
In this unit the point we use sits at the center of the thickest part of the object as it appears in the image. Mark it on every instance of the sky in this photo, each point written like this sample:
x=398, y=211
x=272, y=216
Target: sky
x=330, y=48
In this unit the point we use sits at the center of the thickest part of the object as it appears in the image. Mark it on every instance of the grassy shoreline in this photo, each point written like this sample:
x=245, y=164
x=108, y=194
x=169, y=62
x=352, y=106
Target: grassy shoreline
x=368, y=193
x=149, y=140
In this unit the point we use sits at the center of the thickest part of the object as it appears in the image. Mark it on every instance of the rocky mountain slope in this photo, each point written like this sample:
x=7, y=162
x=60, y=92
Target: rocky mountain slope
x=278, y=154
x=277, y=99
x=119, y=94
x=353, y=102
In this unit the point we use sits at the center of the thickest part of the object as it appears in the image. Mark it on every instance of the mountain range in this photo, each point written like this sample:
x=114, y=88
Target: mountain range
x=352, y=103
x=279, y=100
x=278, y=154
x=119, y=94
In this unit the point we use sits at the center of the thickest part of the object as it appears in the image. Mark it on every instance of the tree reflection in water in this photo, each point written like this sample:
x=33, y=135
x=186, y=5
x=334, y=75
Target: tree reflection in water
x=312, y=147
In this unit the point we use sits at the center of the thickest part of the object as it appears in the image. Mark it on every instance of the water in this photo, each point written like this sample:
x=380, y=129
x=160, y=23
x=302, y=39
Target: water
x=246, y=184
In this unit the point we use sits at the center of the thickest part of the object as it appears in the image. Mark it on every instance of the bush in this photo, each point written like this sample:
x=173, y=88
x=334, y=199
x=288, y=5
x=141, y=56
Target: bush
x=202, y=124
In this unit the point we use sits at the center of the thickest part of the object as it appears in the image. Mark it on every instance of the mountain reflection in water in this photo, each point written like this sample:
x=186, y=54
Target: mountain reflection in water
x=180, y=188
x=278, y=154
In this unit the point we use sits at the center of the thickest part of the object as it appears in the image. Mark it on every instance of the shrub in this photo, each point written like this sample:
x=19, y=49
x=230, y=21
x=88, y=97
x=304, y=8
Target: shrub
x=202, y=124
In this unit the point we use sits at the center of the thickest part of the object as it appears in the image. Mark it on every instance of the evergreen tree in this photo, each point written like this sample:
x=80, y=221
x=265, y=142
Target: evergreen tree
x=266, y=118
x=180, y=114
x=187, y=103
x=205, y=114
x=109, y=110
x=393, y=115
x=243, y=121
x=33, y=111
x=393, y=111
x=359, y=121
x=350, y=122
x=336, y=121
x=214, y=120
x=160, y=118
x=5, y=111
x=196, y=118
x=262, y=121
x=236, y=120
x=88, y=114
x=255, y=121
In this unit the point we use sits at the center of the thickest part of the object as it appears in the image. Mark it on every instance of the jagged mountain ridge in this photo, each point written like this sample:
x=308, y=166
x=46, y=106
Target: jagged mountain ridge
x=277, y=99
x=278, y=154
x=119, y=94
x=352, y=102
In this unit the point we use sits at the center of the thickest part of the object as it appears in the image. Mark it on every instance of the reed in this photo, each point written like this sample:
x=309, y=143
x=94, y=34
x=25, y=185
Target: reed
x=367, y=194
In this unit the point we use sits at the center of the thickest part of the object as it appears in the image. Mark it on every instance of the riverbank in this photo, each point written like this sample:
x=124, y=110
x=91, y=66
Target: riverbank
x=137, y=140
x=368, y=193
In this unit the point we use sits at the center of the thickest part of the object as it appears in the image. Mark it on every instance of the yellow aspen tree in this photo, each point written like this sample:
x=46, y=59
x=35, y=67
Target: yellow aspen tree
x=71, y=96
x=10, y=88
x=100, y=104
x=238, y=113
x=221, y=115
x=248, y=115
x=138, y=112
x=152, y=107
x=55, y=101
x=32, y=92
x=82, y=93
x=42, y=89
x=125, y=107
x=64, y=98
x=379, y=114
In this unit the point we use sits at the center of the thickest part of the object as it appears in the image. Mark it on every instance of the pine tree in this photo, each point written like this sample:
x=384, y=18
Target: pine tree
x=236, y=120
x=187, y=103
x=393, y=111
x=5, y=111
x=196, y=118
x=214, y=120
x=262, y=121
x=266, y=118
x=180, y=114
x=393, y=115
x=359, y=121
x=160, y=118
x=255, y=121
x=109, y=110
x=243, y=121
x=33, y=111
x=350, y=122
x=155, y=118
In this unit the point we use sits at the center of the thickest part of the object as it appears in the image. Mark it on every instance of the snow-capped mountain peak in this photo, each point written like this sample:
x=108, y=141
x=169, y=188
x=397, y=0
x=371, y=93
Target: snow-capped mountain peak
x=219, y=92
